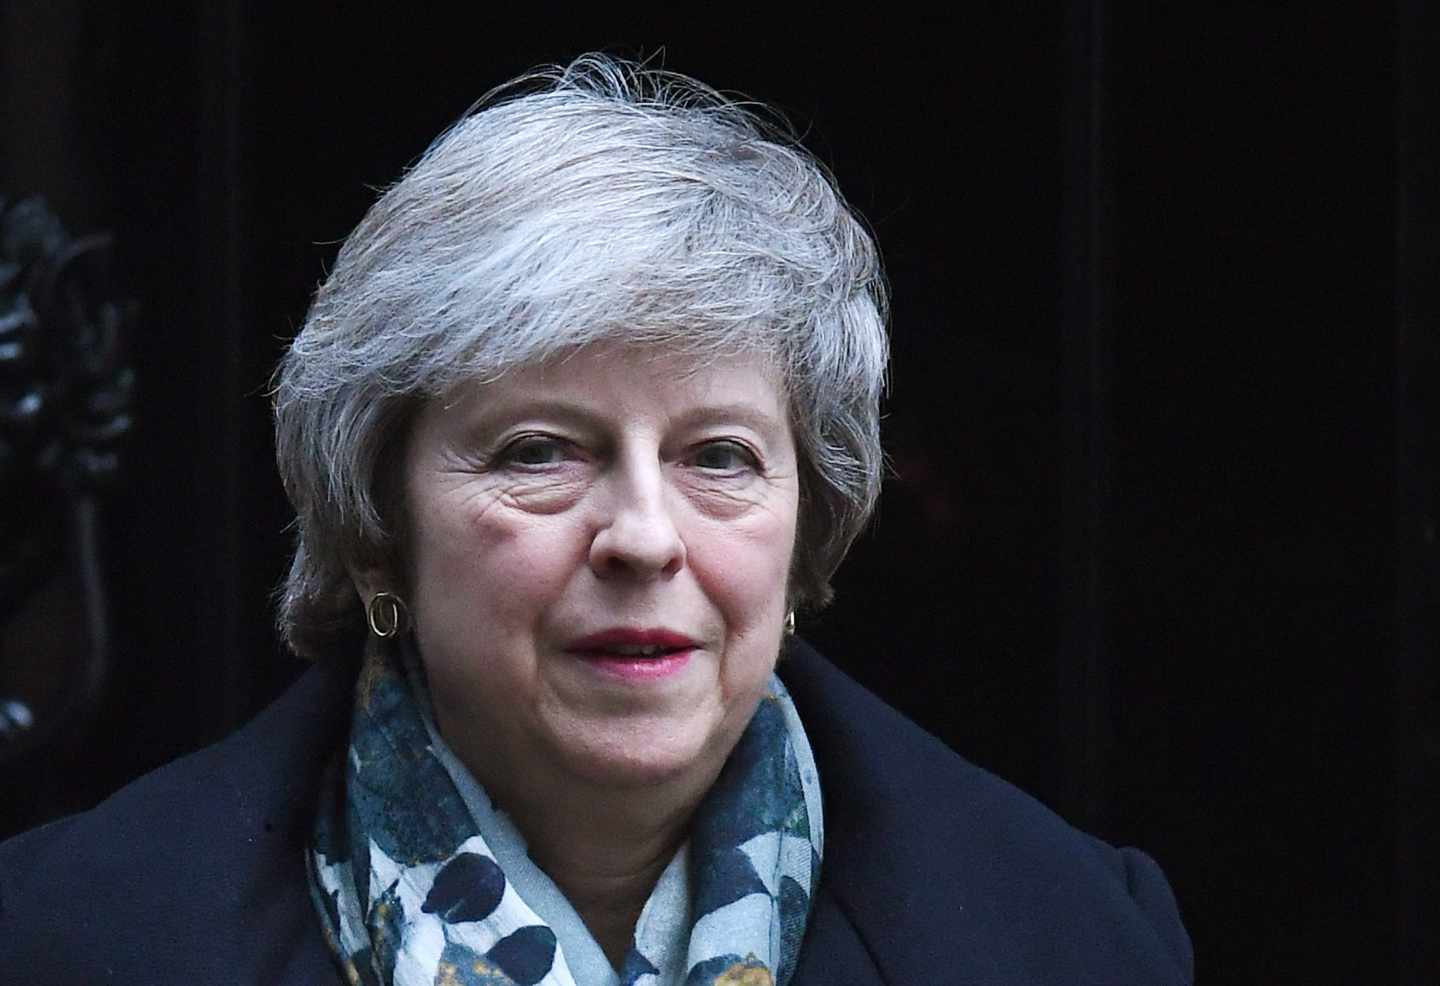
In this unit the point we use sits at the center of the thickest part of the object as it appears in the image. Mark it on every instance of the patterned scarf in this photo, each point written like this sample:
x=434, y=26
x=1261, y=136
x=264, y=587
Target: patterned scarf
x=418, y=877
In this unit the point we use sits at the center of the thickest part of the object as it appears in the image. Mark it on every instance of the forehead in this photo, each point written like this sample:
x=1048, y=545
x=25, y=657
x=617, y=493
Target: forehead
x=617, y=380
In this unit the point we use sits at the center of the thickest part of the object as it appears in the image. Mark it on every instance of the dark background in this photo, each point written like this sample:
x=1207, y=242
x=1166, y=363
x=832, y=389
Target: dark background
x=1160, y=541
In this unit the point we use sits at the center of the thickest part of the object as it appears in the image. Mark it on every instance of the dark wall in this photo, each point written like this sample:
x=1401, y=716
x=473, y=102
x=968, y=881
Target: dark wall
x=1159, y=543
x=1250, y=551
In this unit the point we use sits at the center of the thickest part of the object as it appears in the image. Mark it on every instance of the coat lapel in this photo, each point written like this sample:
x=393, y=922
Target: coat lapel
x=834, y=954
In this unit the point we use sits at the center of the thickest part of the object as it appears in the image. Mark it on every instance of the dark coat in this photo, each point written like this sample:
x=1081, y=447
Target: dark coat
x=935, y=871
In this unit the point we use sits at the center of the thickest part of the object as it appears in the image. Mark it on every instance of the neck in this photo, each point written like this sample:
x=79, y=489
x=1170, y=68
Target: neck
x=607, y=863
x=605, y=847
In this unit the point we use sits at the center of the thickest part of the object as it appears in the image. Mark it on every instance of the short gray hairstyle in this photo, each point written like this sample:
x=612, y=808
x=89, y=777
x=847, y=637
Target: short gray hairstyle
x=601, y=201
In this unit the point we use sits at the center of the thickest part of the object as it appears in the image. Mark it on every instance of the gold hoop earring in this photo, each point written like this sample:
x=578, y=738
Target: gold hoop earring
x=790, y=624
x=386, y=614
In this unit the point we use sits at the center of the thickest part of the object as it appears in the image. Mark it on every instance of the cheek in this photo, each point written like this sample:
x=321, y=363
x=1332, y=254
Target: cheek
x=749, y=585
x=748, y=577
x=490, y=567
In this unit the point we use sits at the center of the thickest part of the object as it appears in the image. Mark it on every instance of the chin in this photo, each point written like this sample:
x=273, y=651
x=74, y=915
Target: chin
x=648, y=757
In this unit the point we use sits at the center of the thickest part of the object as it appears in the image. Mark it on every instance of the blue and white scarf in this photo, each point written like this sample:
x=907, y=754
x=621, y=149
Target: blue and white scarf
x=420, y=880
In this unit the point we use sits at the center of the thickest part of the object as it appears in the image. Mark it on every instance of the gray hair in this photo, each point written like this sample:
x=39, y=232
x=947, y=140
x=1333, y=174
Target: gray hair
x=603, y=201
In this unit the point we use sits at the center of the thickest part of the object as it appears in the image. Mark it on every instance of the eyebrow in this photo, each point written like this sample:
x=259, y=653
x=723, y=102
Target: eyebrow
x=745, y=414
x=584, y=416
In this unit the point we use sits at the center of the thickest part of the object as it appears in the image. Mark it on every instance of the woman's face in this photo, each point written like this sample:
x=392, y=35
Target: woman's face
x=600, y=551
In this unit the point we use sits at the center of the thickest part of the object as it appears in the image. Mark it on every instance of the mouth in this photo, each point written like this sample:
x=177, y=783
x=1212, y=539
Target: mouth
x=627, y=653
x=624, y=642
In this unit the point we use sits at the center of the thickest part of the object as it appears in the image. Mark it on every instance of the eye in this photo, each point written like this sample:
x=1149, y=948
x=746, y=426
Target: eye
x=724, y=456
x=533, y=451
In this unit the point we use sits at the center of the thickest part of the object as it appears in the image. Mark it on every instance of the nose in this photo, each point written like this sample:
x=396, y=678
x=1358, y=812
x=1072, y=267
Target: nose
x=637, y=537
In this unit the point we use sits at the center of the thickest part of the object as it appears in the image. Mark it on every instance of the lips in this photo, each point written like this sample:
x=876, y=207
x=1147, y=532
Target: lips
x=634, y=658
x=628, y=644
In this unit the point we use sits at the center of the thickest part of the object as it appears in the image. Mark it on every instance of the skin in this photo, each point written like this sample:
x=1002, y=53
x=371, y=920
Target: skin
x=613, y=489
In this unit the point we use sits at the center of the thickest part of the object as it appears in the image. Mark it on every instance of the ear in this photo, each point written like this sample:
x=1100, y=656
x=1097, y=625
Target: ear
x=369, y=580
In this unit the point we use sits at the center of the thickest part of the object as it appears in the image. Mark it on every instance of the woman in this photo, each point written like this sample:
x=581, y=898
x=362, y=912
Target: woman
x=586, y=409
